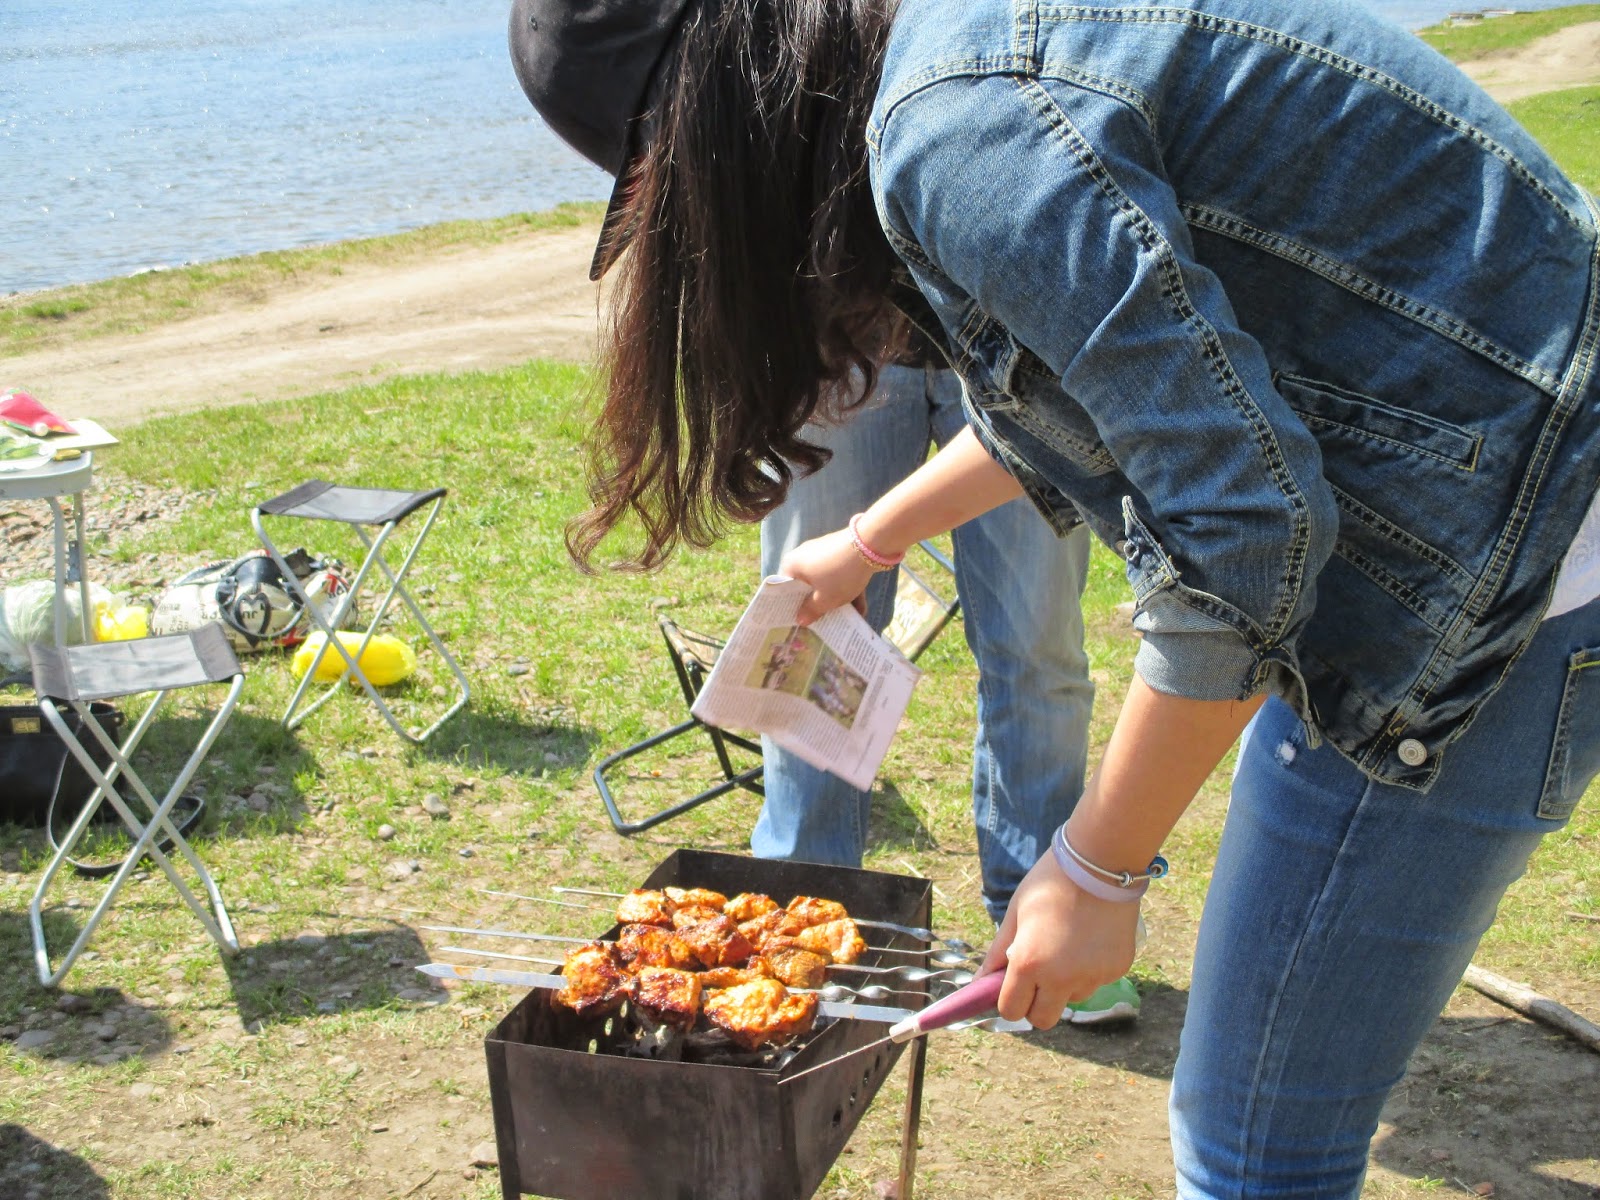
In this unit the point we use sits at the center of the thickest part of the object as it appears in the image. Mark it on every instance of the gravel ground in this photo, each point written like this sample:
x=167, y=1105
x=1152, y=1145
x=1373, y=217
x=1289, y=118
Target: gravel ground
x=116, y=511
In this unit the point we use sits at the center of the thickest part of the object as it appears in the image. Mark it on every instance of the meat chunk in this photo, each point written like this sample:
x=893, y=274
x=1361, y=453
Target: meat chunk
x=797, y=968
x=644, y=907
x=682, y=918
x=747, y=906
x=761, y=1013
x=727, y=977
x=668, y=997
x=641, y=946
x=839, y=940
x=810, y=910
x=596, y=985
x=770, y=931
x=695, y=898
x=718, y=942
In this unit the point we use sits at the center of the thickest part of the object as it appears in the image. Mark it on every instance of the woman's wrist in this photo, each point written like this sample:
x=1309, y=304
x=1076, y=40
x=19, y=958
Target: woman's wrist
x=871, y=548
x=1115, y=885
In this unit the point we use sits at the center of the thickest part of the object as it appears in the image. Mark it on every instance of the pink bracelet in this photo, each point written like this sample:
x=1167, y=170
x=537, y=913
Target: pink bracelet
x=877, y=561
x=1126, y=888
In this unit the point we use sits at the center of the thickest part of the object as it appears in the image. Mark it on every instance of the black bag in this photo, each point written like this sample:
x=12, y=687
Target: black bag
x=36, y=767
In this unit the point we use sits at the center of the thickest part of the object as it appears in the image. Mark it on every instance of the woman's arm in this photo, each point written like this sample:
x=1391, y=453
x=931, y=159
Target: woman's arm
x=957, y=484
x=1058, y=942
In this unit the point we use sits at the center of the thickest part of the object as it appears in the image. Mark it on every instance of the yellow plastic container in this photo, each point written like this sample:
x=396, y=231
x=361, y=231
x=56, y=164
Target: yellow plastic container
x=387, y=659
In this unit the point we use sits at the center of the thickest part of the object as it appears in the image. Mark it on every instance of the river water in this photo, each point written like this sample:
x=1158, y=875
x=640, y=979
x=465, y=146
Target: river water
x=137, y=134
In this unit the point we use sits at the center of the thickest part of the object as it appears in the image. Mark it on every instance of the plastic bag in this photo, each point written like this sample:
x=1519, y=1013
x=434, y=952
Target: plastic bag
x=387, y=659
x=28, y=617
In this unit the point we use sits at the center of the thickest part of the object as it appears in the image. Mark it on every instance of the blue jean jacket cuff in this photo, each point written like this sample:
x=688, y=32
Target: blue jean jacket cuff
x=1198, y=665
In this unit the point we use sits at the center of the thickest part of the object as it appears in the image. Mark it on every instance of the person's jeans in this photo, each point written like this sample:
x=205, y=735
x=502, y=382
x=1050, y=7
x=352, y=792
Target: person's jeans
x=1020, y=588
x=1342, y=913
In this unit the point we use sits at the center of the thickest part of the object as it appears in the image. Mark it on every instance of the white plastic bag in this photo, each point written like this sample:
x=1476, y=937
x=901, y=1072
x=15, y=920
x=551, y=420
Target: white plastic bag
x=28, y=617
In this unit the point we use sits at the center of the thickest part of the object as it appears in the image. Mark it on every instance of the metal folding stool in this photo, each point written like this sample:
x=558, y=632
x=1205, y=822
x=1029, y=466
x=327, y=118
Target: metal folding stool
x=80, y=675
x=362, y=509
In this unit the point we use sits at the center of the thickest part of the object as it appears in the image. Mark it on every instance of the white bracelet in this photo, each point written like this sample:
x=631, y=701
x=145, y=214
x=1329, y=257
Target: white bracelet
x=1117, y=886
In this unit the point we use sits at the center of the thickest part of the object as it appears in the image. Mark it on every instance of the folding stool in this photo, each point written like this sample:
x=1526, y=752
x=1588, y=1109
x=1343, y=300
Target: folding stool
x=78, y=676
x=359, y=508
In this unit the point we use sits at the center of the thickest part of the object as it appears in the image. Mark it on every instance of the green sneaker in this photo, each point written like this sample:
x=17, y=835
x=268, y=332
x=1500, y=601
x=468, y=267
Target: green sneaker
x=1115, y=1003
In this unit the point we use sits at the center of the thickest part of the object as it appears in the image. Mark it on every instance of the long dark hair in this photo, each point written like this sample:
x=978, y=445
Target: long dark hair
x=753, y=294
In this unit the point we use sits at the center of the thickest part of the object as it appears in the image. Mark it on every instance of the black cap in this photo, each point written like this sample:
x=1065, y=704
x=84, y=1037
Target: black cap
x=588, y=67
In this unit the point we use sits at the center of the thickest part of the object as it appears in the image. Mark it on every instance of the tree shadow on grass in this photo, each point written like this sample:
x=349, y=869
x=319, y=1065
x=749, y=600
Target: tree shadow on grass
x=1493, y=1098
x=315, y=975
x=31, y=1167
x=100, y=1025
x=529, y=748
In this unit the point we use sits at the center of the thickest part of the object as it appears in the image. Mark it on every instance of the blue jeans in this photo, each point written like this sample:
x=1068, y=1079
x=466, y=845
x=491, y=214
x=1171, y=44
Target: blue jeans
x=1342, y=913
x=1020, y=588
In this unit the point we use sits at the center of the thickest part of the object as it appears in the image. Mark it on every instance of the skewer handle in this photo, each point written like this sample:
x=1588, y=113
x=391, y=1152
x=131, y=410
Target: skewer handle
x=979, y=996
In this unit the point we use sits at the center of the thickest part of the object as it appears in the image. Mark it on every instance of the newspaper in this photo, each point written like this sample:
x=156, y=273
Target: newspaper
x=831, y=693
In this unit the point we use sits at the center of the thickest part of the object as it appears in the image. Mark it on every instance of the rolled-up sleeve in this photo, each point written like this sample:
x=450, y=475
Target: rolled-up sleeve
x=1049, y=211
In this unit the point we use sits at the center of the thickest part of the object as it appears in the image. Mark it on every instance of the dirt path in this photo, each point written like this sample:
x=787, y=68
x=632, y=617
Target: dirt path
x=475, y=308
x=471, y=309
x=1568, y=58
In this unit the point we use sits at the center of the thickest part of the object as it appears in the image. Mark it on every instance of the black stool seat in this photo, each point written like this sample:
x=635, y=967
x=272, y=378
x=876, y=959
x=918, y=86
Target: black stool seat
x=104, y=670
x=319, y=500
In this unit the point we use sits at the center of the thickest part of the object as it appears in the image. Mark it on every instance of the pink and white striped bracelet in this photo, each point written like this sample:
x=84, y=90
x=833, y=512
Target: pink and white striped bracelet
x=874, y=559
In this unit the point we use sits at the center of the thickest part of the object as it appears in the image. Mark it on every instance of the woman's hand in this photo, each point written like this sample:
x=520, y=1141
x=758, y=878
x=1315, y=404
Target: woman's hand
x=1058, y=944
x=836, y=572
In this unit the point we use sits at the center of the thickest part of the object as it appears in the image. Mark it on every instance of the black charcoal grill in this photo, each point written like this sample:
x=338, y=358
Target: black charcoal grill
x=581, y=1112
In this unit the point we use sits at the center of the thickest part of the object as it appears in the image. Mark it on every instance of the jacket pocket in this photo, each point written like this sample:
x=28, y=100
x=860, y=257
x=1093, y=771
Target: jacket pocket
x=1575, y=753
x=1331, y=411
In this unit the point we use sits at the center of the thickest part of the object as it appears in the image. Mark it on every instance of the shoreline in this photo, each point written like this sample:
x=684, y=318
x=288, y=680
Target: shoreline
x=457, y=308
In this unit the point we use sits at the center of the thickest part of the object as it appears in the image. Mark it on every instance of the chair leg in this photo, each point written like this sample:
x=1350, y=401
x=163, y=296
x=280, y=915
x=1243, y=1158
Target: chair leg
x=329, y=626
x=216, y=922
x=743, y=779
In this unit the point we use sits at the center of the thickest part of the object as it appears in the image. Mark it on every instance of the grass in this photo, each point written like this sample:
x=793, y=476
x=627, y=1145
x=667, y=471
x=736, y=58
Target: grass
x=1567, y=123
x=315, y=994
x=1478, y=39
x=39, y=320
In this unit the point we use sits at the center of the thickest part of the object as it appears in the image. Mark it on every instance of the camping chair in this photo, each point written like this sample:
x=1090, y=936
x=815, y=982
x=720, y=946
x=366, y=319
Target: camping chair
x=381, y=509
x=921, y=611
x=77, y=676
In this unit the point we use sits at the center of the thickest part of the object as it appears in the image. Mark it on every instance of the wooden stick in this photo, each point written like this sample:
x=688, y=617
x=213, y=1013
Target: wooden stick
x=1530, y=1003
x=1578, y=916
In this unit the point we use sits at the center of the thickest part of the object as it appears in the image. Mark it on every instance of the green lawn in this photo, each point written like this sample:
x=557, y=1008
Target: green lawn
x=1477, y=39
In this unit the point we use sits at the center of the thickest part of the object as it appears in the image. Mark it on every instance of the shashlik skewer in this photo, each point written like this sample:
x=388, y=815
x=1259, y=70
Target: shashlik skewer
x=915, y=931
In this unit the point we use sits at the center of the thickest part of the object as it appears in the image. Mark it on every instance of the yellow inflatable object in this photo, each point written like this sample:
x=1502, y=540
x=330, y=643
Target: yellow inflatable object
x=387, y=659
x=121, y=624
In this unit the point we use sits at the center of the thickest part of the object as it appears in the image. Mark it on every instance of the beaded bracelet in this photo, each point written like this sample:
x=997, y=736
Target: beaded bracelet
x=1120, y=887
x=874, y=559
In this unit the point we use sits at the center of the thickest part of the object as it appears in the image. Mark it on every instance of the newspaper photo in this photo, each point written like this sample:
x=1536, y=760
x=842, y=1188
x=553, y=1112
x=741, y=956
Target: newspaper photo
x=831, y=693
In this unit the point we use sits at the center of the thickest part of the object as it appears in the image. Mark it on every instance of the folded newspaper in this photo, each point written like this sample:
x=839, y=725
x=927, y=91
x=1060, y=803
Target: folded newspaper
x=831, y=693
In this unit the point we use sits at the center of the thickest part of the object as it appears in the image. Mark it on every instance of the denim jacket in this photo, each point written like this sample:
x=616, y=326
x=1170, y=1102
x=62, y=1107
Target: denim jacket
x=1286, y=309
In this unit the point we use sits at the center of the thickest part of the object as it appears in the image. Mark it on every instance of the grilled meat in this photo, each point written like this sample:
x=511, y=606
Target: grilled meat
x=668, y=997
x=810, y=910
x=771, y=931
x=796, y=967
x=695, y=898
x=692, y=914
x=718, y=942
x=643, y=906
x=761, y=1013
x=596, y=984
x=651, y=946
x=727, y=977
x=838, y=940
x=747, y=906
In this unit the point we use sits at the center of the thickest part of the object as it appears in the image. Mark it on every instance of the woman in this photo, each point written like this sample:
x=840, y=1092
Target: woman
x=1282, y=307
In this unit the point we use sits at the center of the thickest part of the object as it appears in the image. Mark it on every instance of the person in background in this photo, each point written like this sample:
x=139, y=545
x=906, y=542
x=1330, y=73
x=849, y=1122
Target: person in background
x=1290, y=313
x=1020, y=587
